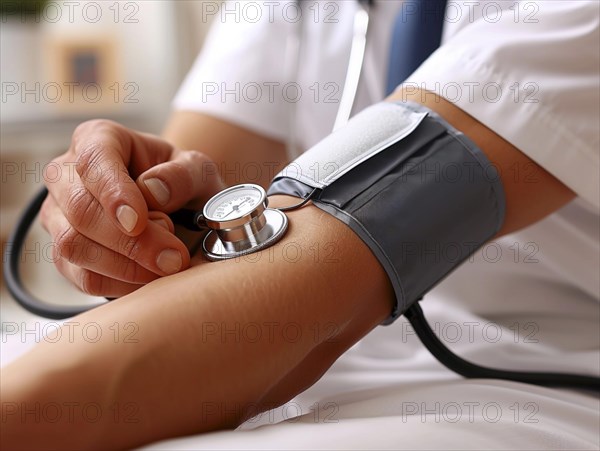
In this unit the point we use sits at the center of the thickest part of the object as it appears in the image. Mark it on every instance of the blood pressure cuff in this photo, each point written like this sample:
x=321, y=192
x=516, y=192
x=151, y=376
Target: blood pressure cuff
x=419, y=193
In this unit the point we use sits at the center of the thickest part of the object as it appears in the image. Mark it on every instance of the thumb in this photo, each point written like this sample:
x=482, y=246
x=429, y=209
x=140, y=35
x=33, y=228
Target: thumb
x=188, y=176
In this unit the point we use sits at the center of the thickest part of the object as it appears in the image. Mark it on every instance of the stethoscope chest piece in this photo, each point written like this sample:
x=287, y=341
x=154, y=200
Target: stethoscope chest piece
x=240, y=223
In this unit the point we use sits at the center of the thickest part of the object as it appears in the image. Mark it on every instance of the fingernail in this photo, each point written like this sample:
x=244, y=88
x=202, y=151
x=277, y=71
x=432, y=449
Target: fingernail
x=127, y=217
x=159, y=190
x=161, y=222
x=169, y=261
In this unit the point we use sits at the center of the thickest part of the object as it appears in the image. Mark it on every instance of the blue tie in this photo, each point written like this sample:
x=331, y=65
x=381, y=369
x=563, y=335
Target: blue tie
x=417, y=33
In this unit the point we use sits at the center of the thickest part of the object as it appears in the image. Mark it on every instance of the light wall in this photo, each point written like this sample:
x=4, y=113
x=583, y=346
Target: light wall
x=149, y=46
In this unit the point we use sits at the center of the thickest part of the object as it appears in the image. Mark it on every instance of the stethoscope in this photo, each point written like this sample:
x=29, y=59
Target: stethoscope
x=355, y=63
x=294, y=58
x=239, y=222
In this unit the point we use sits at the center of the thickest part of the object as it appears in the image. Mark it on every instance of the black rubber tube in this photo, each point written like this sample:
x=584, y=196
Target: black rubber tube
x=470, y=370
x=12, y=274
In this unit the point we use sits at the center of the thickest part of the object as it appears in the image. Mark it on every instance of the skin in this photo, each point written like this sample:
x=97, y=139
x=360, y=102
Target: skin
x=181, y=361
x=531, y=192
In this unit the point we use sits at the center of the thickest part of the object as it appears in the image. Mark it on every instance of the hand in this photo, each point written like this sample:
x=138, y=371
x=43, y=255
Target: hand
x=109, y=196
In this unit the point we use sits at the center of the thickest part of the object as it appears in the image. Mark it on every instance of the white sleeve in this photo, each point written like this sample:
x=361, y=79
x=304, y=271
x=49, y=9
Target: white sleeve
x=240, y=73
x=533, y=80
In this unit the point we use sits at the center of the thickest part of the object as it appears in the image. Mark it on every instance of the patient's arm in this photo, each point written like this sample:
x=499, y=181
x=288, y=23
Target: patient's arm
x=310, y=297
x=186, y=373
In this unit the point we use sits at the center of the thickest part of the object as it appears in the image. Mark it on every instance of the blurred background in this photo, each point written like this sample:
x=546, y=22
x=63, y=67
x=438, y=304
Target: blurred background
x=61, y=63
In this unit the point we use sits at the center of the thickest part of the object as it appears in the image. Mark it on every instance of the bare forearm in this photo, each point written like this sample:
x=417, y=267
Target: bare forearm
x=197, y=361
x=241, y=156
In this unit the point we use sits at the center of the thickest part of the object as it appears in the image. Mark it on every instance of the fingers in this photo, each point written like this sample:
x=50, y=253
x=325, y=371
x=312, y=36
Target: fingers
x=161, y=219
x=80, y=251
x=86, y=280
x=93, y=283
x=108, y=240
x=106, y=153
x=76, y=220
x=188, y=176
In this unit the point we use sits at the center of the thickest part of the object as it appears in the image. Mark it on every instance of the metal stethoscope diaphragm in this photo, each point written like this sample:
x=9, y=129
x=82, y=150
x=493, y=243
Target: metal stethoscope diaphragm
x=240, y=222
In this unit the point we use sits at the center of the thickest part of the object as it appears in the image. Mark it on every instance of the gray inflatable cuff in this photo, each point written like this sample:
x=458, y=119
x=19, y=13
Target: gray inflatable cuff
x=421, y=195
